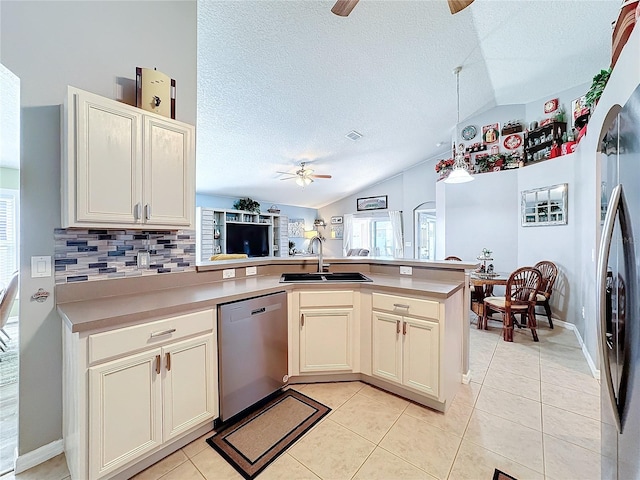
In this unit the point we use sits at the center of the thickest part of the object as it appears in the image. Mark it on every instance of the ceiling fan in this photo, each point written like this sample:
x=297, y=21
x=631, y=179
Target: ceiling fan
x=343, y=8
x=303, y=176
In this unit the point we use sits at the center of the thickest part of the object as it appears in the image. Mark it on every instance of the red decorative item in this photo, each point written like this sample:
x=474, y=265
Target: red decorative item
x=490, y=133
x=556, y=151
x=512, y=142
x=546, y=121
x=495, y=150
x=550, y=106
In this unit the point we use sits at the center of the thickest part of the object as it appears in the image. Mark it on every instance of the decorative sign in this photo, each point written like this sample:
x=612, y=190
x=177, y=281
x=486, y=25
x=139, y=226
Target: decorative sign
x=336, y=232
x=579, y=108
x=512, y=142
x=296, y=228
x=155, y=92
x=371, y=203
x=336, y=220
x=551, y=106
x=490, y=133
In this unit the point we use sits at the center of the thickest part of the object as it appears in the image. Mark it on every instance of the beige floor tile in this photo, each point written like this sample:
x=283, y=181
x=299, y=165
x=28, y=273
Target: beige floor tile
x=468, y=393
x=561, y=356
x=53, y=469
x=572, y=400
x=162, y=467
x=382, y=465
x=570, y=379
x=285, y=468
x=517, y=366
x=477, y=365
x=571, y=427
x=510, y=382
x=513, y=407
x=525, y=347
x=197, y=445
x=332, y=394
x=564, y=460
x=518, y=443
x=390, y=400
x=213, y=467
x=331, y=451
x=423, y=445
x=478, y=374
x=454, y=420
x=186, y=471
x=367, y=417
x=557, y=336
x=474, y=462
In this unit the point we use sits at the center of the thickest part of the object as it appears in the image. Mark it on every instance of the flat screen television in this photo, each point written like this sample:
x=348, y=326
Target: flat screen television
x=252, y=239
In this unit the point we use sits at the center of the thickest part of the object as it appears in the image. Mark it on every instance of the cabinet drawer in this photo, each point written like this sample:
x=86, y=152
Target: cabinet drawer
x=130, y=339
x=406, y=305
x=329, y=298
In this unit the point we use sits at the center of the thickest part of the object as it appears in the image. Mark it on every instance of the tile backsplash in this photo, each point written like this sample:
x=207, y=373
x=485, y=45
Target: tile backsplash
x=84, y=255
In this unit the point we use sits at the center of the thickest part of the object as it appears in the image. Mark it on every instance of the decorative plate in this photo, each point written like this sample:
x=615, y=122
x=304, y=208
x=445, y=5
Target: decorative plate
x=551, y=106
x=469, y=132
x=512, y=142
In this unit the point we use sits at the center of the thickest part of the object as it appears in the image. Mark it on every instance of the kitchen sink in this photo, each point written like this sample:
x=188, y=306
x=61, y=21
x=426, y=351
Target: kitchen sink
x=323, y=277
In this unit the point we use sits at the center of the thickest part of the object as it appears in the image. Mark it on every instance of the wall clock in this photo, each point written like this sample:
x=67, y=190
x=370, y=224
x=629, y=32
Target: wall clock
x=155, y=92
x=469, y=132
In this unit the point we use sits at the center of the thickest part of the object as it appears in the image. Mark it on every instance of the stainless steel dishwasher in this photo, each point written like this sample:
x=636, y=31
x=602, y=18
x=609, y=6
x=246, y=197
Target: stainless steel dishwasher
x=252, y=351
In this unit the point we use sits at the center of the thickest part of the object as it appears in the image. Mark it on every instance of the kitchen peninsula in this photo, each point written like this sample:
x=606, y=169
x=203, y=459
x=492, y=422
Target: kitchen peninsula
x=407, y=334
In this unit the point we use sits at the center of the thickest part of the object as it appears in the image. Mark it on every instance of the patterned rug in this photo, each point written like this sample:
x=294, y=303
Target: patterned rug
x=253, y=442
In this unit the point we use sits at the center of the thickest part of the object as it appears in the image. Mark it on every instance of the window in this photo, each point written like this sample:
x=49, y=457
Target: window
x=425, y=222
x=8, y=234
x=373, y=233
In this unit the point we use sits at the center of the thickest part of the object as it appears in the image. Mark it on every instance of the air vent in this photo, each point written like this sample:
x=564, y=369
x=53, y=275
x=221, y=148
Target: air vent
x=353, y=135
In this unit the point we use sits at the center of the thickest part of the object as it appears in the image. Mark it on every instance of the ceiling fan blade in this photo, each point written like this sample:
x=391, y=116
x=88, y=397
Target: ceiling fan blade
x=458, y=5
x=320, y=176
x=343, y=8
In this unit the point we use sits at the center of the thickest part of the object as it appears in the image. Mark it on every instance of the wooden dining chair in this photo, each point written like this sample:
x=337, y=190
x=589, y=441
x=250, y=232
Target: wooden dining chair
x=520, y=298
x=549, y=274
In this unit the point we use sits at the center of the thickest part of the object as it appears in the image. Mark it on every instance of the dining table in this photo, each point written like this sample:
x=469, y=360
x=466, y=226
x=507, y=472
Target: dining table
x=483, y=284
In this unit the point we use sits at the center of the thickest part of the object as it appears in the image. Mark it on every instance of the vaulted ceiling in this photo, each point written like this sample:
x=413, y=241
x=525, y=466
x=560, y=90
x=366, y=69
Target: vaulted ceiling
x=280, y=82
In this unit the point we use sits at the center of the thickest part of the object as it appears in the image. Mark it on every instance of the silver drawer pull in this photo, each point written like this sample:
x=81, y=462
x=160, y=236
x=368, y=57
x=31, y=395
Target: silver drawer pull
x=401, y=305
x=164, y=332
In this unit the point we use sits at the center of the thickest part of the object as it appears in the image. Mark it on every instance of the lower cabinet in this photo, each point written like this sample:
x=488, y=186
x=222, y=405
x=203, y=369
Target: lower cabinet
x=406, y=350
x=146, y=386
x=325, y=339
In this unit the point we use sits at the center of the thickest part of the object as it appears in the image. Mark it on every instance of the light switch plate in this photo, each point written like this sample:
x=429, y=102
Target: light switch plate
x=41, y=266
x=229, y=273
x=250, y=271
x=143, y=259
x=406, y=271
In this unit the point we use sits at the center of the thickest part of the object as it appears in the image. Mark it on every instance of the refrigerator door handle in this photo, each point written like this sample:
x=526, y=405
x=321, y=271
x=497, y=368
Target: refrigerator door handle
x=605, y=247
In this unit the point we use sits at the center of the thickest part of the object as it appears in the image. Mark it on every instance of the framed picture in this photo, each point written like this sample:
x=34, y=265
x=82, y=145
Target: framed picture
x=296, y=228
x=490, y=133
x=544, y=206
x=337, y=231
x=336, y=220
x=371, y=203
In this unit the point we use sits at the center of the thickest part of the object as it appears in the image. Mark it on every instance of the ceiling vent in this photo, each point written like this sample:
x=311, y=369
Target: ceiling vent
x=353, y=135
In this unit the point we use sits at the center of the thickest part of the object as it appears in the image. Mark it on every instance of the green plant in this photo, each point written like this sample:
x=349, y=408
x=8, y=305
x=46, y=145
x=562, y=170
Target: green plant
x=597, y=86
x=247, y=205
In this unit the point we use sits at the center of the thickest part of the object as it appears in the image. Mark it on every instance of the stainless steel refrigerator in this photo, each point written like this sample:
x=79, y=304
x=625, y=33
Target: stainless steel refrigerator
x=618, y=290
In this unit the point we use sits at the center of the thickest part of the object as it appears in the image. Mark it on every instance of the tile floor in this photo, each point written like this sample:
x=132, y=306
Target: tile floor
x=531, y=410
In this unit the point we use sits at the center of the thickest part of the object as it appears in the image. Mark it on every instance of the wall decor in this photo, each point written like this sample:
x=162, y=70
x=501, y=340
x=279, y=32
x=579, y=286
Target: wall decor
x=296, y=228
x=155, y=92
x=469, y=132
x=336, y=220
x=512, y=142
x=336, y=232
x=551, y=106
x=579, y=111
x=544, y=206
x=490, y=133
x=371, y=203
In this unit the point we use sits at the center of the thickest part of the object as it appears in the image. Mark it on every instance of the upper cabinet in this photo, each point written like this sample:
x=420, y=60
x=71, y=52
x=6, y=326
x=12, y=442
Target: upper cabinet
x=125, y=168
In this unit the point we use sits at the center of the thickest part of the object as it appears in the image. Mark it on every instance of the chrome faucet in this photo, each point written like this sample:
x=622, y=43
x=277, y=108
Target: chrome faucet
x=320, y=265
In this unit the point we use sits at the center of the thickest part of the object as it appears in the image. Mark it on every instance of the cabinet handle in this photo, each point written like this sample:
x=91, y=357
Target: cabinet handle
x=136, y=211
x=158, y=364
x=168, y=361
x=164, y=332
x=404, y=328
x=147, y=211
x=302, y=319
x=397, y=326
x=401, y=305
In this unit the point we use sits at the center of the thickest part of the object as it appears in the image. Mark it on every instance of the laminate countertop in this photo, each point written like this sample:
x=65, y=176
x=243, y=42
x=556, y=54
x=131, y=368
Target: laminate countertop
x=132, y=308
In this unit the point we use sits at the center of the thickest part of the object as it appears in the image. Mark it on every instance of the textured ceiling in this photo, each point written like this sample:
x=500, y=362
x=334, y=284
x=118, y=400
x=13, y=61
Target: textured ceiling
x=281, y=82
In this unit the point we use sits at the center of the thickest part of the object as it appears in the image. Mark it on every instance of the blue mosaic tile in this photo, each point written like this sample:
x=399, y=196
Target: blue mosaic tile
x=88, y=249
x=170, y=246
x=115, y=253
x=108, y=270
x=164, y=270
x=122, y=248
x=106, y=237
x=66, y=261
x=161, y=242
x=77, y=278
x=60, y=268
x=131, y=263
x=98, y=265
x=156, y=265
x=76, y=243
x=183, y=264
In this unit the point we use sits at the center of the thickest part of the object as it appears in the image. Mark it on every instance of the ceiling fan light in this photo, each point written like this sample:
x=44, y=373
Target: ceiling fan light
x=300, y=181
x=307, y=180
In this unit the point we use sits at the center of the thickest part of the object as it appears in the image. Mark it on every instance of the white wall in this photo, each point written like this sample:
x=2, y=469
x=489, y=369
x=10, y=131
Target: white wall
x=95, y=46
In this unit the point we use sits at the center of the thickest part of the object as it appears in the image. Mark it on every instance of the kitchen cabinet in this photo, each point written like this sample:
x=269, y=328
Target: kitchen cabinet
x=146, y=386
x=325, y=331
x=125, y=168
x=406, y=342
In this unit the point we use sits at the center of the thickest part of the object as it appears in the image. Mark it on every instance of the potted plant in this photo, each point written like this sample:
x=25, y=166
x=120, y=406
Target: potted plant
x=597, y=86
x=247, y=205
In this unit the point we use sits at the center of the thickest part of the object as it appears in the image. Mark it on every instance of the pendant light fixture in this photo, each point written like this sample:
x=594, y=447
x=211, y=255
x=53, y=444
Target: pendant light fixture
x=459, y=174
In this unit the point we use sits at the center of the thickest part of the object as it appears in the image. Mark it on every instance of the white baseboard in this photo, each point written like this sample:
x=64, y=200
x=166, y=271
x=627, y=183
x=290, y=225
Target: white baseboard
x=37, y=456
x=466, y=377
x=570, y=326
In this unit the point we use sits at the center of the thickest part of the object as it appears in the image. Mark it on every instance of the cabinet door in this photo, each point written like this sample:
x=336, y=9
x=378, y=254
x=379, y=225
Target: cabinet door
x=325, y=339
x=387, y=346
x=168, y=172
x=108, y=161
x=125, y=418
x=421, y=356
x=189, y=386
